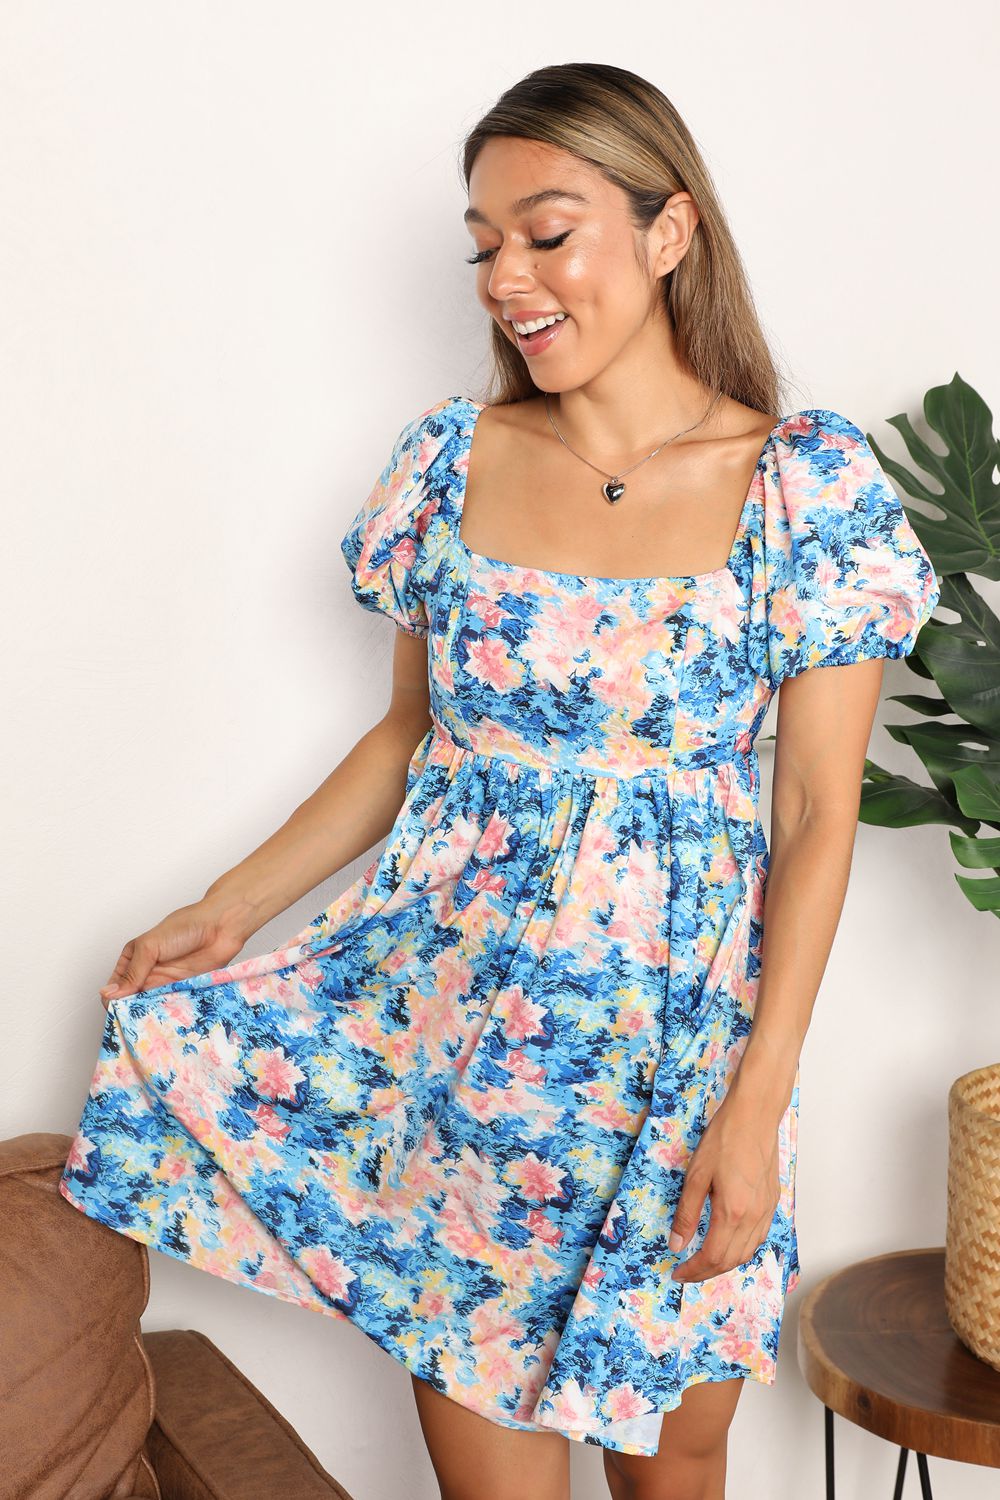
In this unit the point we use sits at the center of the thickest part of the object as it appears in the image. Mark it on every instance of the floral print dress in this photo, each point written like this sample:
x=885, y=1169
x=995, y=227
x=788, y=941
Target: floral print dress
x=456, y=1109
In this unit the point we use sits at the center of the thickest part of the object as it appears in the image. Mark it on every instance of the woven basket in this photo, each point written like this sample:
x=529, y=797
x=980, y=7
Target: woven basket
x=972, y=1245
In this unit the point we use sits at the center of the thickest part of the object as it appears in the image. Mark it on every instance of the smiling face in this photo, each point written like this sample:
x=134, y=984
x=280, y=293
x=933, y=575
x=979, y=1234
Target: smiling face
x=553, y=235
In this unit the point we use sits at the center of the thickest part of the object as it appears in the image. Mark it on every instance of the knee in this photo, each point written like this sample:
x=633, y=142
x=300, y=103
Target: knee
x=694, y=1475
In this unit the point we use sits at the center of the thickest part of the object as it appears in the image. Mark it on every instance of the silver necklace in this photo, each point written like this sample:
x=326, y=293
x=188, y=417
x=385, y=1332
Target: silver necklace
x=614, y=489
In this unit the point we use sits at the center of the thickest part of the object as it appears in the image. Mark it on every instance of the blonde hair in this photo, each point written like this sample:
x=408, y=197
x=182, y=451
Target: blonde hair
x=629, y=131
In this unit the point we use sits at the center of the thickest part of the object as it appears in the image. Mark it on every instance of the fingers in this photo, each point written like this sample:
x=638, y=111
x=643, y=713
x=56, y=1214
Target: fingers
x=689, y=1205
x=710, y=1257
x=743, y=1192
x=130, y=972
x=729, y=1242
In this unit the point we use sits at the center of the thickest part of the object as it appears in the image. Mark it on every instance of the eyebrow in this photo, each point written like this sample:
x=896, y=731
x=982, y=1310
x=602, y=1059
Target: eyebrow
x=524, y=205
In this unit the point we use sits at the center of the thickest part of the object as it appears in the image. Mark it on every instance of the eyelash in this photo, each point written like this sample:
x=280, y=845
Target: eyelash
x=481, y=255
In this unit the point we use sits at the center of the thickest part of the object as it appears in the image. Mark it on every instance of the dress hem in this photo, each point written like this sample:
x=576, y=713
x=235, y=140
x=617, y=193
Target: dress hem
x=455, y=1391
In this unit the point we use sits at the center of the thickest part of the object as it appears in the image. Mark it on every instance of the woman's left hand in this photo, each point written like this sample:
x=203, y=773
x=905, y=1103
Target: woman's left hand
x=736, y=1163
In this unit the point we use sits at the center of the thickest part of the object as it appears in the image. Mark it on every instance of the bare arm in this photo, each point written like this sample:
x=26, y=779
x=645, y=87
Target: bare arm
x=825, y=718
x=350, y=811
x=825, y=721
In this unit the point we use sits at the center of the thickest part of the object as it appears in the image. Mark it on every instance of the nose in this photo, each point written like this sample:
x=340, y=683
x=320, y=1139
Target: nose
x=510, y=272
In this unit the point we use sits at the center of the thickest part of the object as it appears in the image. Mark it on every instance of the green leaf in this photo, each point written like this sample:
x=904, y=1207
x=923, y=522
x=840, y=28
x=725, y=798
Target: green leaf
x=891, y=801
x=976, y=854
x=984, y=894
x=978, y=793
x=914, y=661
x=964, y=534
x=948, y=748
x=964, y=655
x=919, y=704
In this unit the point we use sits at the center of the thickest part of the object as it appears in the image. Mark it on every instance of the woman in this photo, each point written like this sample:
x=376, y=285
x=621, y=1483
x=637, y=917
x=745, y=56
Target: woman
x=522, y=1102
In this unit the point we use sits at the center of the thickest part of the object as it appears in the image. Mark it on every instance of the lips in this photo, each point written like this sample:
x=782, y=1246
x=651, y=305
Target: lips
x=544, y=338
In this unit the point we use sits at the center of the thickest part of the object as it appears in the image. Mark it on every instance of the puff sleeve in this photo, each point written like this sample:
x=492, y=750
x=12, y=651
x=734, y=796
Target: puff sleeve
x=384, y=542
x=845, y=577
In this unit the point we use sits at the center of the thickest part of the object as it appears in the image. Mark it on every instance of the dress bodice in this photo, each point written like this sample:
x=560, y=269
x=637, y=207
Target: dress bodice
x=628, y=676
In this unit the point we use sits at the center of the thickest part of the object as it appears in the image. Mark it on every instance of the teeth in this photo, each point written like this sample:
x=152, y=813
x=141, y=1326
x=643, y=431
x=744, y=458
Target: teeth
x=523, y=328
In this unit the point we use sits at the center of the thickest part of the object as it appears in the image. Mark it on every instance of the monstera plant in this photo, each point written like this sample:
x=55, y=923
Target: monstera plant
x=957, y=737
x=957, y=733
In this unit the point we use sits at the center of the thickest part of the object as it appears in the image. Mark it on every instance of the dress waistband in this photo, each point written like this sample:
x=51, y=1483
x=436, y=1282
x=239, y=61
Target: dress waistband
x=442, y=746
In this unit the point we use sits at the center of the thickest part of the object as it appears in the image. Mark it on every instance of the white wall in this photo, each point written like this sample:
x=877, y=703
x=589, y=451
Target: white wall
x=232, y=254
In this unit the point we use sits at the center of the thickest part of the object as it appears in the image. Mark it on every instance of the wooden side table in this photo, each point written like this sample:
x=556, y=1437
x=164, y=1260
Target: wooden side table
x=875, y=1345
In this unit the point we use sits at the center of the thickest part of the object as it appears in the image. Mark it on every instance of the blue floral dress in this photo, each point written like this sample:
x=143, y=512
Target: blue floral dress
x=456, y=1109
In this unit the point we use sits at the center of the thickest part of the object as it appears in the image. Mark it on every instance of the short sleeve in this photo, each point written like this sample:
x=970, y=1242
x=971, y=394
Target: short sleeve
x=383, y=544
x=845, y=576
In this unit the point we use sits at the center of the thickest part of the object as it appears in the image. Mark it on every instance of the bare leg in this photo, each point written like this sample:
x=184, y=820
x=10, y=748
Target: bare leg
x=476, y=1459
x=691, y=1461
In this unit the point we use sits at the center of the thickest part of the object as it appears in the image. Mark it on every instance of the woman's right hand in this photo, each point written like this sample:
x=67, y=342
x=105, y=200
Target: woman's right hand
x=191, y=940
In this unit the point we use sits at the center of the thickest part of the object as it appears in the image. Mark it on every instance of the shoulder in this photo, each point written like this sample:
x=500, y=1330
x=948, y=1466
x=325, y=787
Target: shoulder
x=817, y=425
x=438, y=422
x=434, y=437
x=820, y=454
x=408, y=493
x=823, y=474
x=820, y=437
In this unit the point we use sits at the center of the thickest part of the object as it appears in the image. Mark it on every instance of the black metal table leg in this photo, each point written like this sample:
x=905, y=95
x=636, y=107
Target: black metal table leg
x=900, y=1474
x=925, y=1478
x=897, y=1493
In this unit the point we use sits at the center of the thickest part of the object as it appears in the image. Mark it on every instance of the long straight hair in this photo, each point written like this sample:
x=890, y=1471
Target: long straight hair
x=626, y=128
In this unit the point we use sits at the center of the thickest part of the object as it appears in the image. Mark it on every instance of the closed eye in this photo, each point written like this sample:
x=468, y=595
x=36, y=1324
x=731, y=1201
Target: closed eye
x=481, y=255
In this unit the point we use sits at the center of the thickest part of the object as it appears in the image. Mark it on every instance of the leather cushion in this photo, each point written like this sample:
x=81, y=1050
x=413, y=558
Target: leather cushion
x=76, y=1388
x=216, y=1437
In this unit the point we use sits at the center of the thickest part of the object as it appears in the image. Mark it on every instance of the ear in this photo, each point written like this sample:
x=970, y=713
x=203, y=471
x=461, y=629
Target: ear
x=671, y=232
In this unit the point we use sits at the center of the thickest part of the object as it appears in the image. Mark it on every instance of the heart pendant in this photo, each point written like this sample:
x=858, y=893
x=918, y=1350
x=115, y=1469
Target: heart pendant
x=613, y=491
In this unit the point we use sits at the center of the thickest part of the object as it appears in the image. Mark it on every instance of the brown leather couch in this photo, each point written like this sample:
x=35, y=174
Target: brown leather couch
x=92, y=1408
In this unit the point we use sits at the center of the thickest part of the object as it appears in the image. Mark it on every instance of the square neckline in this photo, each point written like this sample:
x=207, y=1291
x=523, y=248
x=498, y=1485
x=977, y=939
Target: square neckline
x=472, y=557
